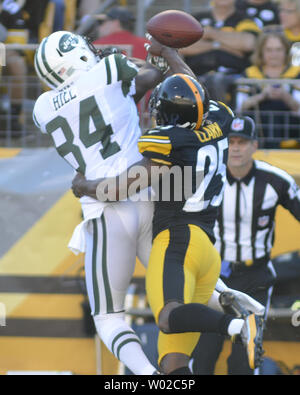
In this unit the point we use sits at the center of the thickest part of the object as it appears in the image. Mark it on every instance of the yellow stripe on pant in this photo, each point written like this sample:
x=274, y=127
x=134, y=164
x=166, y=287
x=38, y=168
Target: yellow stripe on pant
x=183, y=266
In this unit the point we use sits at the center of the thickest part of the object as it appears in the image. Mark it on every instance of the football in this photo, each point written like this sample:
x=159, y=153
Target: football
x=175, y=29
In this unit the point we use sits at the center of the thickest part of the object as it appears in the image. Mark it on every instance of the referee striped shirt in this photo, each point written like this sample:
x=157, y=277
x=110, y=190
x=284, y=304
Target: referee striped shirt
x=245, y=226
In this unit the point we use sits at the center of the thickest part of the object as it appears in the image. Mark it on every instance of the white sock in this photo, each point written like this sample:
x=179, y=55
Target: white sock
x=235, y=326
x=214, y=302
x=139, y=363
x=122, y=341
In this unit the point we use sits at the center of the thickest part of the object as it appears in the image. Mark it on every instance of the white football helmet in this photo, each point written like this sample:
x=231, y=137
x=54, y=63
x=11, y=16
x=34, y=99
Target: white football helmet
x=62, y=57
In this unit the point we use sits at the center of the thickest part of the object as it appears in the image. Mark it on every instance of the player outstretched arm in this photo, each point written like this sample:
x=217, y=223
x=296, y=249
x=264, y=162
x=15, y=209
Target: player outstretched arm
x=119, y=188
x=150, y=76
x=175, y=61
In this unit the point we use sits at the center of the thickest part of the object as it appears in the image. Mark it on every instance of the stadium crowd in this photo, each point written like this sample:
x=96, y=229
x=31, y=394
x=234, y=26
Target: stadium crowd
x=246, y=43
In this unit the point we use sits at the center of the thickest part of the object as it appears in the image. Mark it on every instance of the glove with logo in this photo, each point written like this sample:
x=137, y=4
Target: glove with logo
x=157, y=61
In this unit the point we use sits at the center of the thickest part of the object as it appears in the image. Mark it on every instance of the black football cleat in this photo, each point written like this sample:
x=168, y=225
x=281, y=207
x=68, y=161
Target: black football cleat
x=231, y=305
x=252, y=331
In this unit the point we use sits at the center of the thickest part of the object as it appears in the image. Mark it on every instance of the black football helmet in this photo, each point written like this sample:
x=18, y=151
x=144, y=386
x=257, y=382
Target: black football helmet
x=153, y=102
x=180, y=100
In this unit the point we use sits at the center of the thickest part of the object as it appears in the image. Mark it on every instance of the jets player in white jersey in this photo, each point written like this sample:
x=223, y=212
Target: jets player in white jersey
x=91, y=115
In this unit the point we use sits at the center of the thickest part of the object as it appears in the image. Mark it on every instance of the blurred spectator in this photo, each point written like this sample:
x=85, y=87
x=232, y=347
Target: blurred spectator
x=116, y=28
x=289, y=13
x=275, y=105
x=64, y=15
x=88, y=7
x=264, y=12
x=59, y=15
x=12, y=18
x=228, y=41
x=70, y=15
x=22, y=22
x=35, y=13
x=46, y=16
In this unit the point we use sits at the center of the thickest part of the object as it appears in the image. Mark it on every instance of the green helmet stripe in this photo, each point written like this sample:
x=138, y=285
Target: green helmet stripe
x=38, y=67
x=46, y=64
x=119, y=68
x=35, y=120
x=108, y=71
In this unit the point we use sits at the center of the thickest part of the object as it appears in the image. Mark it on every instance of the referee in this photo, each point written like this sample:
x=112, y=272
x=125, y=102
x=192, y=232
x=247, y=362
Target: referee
x=245, y=234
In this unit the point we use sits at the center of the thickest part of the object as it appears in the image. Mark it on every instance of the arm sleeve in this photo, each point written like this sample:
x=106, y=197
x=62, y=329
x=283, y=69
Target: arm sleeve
x=120, y=68
x=156, y=146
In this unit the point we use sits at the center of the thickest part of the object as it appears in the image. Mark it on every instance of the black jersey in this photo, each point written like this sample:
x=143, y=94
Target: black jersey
x=192, y=192
x=218, y=59
x=263, y=14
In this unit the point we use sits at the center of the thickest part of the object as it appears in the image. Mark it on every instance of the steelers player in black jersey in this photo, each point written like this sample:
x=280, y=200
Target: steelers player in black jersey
x=184, y=266
x=202, y=147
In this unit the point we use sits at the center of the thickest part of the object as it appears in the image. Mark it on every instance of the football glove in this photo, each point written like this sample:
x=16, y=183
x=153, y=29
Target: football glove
x=157, y=61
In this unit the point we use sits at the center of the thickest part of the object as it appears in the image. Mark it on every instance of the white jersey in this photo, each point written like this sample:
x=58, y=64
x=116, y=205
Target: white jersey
x=94, y=122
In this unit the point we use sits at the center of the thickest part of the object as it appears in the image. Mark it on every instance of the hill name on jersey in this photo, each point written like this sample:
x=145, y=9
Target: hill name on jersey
x=64, y=96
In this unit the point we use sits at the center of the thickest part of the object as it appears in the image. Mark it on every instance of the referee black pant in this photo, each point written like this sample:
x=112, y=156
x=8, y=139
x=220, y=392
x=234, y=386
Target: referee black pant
x=256, y=282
